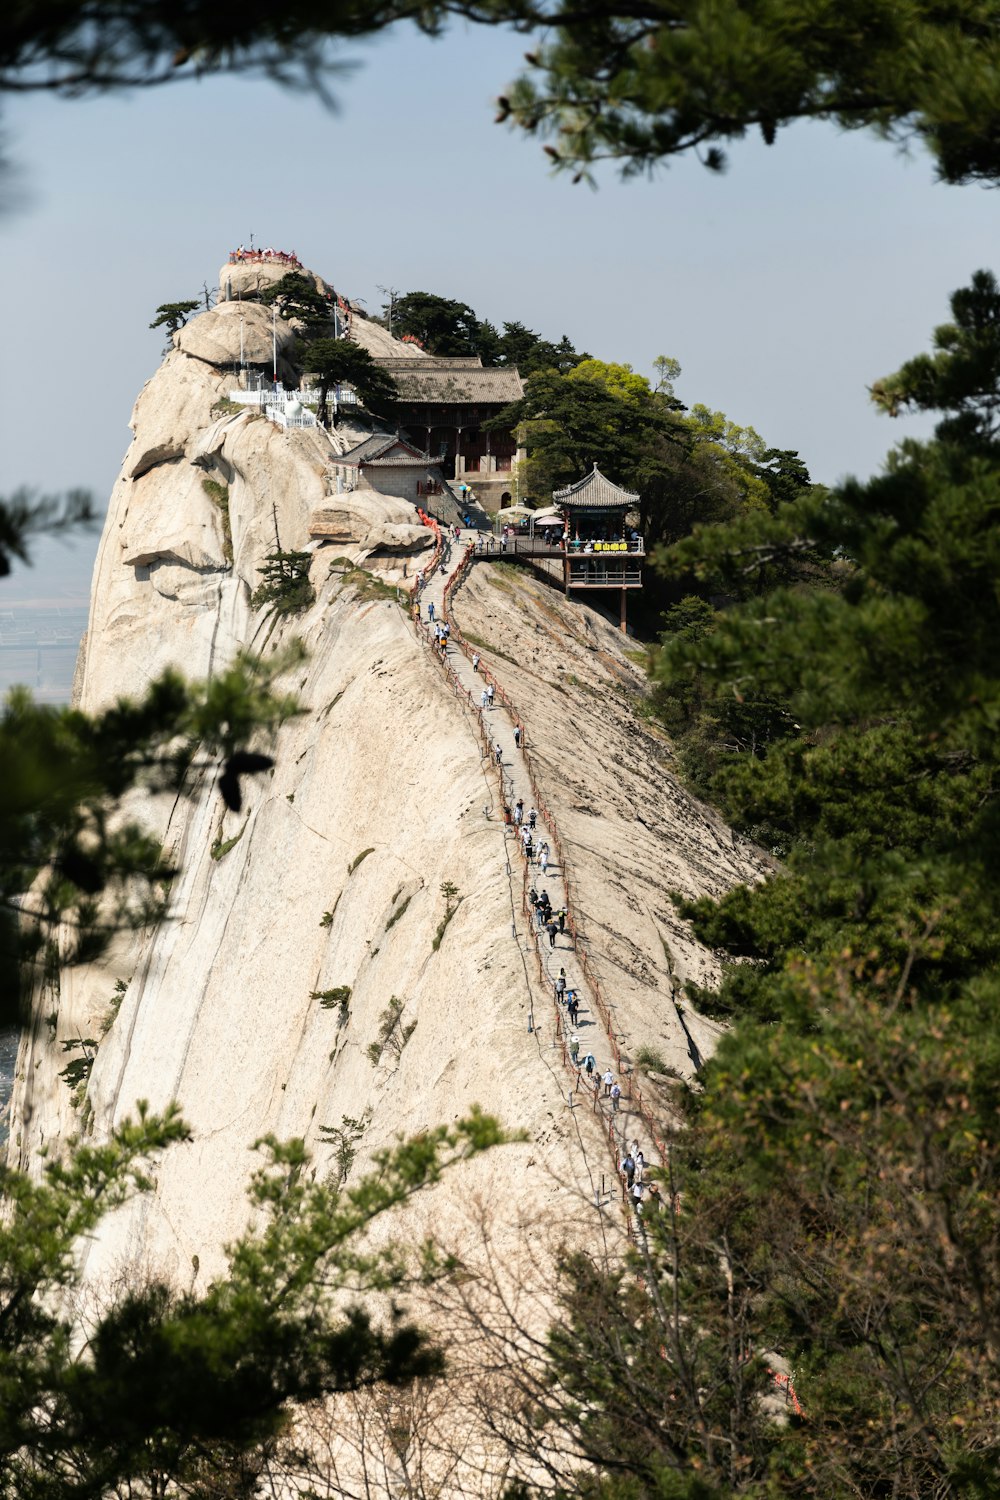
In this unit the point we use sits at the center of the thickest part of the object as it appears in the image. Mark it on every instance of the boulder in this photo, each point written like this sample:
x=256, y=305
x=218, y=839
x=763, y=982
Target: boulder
x=249, y=278
x=215, y=336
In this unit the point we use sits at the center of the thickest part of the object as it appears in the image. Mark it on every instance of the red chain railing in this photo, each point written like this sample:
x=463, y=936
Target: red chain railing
x=634, y=1092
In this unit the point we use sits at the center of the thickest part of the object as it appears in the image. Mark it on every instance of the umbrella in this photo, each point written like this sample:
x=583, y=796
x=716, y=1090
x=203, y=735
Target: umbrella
x=550, y=513
x=514, y=510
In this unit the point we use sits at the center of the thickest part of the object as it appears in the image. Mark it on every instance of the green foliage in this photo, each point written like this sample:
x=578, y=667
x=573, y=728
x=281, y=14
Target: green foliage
x=114, y=1006
x=688, y=469
x=221, y=847
x=223, y=407
x=173, y=315
x=342, y=362
x=344, y=1140
x=392, y=1034
x=836, y=1194
x=337, y=998
x=365, y=583
x=25, y=515
x=443, y=326
x=713, y=728
x=298, y=299
x=76, y=1073
x=398, y=914
x=452, y=901
x=962, y=377
x=635, y=84
x=641, y=86
x=170, y=1388
x=651, y=1060
x=64, y=774
x=285, y=583
x=358, y=858
x=449, y=328
x=527, y=351
x=219, y=495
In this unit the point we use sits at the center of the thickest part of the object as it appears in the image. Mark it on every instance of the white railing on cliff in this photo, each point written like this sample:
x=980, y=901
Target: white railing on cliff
x=339, y=395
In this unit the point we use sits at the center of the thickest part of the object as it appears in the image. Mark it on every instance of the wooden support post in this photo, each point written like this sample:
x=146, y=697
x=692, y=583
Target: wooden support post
x=624, y=597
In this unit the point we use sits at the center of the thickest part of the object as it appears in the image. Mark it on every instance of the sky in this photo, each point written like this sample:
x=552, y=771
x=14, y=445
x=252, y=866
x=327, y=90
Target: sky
x=783, y=287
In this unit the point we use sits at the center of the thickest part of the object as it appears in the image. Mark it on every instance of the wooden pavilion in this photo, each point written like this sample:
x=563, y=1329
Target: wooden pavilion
x=601, y=550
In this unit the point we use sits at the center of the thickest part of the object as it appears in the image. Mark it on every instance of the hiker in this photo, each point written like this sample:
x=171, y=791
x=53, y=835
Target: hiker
x=417, y=606
x=517, y=736
x=532, y=817
x=562, y=919
x=506, y=815
x=573, y=1005
x=475, y=661
x=574, y=1049
x=561, y=986
x=637, y=1199
x=533, y=897
x=616, y=1096
x=590, y=1064
x=484, y=699
x=446, y=630
x=498, y=752
x=543, y=857
x=518, y=811
x=490, y=693
x=551, y=929
x=654, y=1197
x=640, y=1165
x=628, y=1170
x=430, y=611
x=608, y=1080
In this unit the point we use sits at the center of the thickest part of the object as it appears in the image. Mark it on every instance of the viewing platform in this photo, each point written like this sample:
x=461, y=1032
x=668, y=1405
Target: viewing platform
x=270, y=256
x=580, y=553
x=583, y=541
x=291, y=408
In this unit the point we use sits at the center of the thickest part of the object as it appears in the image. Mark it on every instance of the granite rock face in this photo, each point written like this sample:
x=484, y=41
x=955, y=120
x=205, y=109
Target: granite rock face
x=330, y=878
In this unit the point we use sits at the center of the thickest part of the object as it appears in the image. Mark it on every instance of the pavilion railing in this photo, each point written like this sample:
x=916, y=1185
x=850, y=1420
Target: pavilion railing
x=596, y=575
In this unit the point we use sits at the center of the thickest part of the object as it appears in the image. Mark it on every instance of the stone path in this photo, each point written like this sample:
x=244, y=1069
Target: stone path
x=626, y=1124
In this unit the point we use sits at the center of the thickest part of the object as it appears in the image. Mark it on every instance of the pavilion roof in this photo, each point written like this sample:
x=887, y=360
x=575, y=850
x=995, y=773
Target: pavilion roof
x=453, y=381
x=383, y=450
x=595, y=492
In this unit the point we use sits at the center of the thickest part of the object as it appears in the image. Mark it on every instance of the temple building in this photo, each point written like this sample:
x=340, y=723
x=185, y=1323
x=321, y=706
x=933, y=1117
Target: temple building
x=388, y=463
x=587, y=539
x=443, y=404
x=602, y=550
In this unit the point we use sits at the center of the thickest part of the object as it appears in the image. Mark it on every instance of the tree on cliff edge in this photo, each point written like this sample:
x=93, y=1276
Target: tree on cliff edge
x=342, y=362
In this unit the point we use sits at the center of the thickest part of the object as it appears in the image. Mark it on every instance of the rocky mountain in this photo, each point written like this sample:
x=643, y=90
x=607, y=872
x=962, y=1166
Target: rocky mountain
x=374, y=862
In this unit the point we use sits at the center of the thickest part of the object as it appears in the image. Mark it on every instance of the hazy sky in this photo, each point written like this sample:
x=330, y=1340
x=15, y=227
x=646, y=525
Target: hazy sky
x=783, y=287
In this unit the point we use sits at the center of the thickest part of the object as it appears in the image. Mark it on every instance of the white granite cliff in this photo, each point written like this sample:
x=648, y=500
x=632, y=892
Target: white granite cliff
x=377, y=799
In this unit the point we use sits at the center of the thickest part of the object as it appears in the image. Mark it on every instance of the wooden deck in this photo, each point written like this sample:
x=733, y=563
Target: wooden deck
x=535, y=546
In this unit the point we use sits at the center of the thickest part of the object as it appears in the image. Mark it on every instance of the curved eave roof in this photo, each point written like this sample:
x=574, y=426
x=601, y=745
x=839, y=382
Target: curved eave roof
x=595, y=492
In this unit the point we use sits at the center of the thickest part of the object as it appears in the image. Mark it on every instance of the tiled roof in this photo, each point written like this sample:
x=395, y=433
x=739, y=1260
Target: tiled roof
x=595, y=492
x=384, y=449
x=451, y=381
